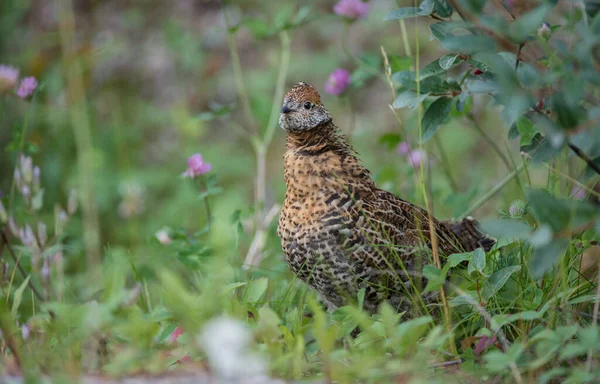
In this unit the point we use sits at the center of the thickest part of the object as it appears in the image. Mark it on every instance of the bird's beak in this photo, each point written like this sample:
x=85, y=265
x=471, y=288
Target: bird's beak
x=285, y=109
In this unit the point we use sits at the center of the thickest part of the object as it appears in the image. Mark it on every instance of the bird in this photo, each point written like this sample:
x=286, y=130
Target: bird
x=343, y=235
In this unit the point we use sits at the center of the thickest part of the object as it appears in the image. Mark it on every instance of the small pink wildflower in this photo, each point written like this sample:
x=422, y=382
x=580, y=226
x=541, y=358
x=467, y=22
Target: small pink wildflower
x=544, y=32
x=196, y=166
x=416, y=157
x=163, y=237
x=27, y=87
x=8, y=77
x=353, y=9
x=337, y=82
x=175, y=335
x=403, y=148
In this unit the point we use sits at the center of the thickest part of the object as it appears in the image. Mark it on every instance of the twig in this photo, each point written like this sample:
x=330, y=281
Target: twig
x=489, y=140
x=259, y=238
x=584, y=156
x=503, y=41
x=590, y=354
x=445, y=364
x=518, y=57
x=19, y=266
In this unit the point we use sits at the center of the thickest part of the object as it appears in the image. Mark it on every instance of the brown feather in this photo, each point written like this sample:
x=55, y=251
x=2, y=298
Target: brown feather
x=341, y=233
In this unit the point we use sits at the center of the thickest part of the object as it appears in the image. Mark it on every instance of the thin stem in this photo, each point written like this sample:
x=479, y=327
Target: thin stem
x=405, y=41
x=262, y=148
x=238, y=74
x=83, y=134
x=432, y=229
x=489, y=140
x=284, y=64
x=464, y=77
x=493, y=191
x=19, y=266
x=202, y=186
x=591, y=191
x=445, y=163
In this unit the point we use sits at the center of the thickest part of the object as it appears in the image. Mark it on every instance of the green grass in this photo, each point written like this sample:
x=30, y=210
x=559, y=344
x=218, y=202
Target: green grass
x=116, y=116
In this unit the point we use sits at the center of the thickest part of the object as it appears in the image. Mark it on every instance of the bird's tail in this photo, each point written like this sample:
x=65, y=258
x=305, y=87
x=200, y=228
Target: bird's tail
x=469, y=235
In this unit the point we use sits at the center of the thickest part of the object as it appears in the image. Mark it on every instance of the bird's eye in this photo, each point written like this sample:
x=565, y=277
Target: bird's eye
x=307, y=105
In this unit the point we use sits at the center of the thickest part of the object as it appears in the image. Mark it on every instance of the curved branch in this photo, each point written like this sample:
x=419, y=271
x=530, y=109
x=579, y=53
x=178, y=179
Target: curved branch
x=584, y=156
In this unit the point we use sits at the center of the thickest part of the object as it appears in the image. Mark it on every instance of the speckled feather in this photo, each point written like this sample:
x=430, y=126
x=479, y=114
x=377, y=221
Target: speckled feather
x=341, y=233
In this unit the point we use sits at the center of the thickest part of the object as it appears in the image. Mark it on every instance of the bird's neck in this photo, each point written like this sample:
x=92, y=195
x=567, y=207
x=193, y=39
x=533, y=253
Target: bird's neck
x=322, y=158
x=326, y=137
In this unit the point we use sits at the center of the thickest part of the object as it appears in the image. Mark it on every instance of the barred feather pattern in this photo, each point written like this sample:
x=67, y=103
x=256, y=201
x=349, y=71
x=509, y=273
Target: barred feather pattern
x=340, y=233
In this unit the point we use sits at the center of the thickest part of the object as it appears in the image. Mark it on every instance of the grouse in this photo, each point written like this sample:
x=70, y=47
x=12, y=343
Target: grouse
x=340, y=233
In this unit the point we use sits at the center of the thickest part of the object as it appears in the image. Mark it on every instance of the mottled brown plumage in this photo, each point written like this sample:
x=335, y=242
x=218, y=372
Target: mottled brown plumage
x=341, y=233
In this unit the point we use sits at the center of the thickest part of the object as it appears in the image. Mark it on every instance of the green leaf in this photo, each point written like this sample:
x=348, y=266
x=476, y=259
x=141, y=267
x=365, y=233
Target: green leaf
x=547, y=209
x=498, y=361
x=402, y=13
x=542, y=236
x=540, y=149
x=361, y=298
x=526, y=130
x=469, y=44
x=409, y=332
x=443, y=8
x=568, y=113
x=435, y=116
x=435, y=278
x=302, y=16
x=560, y=214
x=18, y=296
x=506, y=228
x=431, y=84
x=390, y=140
x=474, y=6
x=523, y=316
x=256, y=290
x=497, y=280
x=436, y=67
x=424, y=9
x=457, y=258
x=443, y=30
x=528, y=23
x=260, y=29
x=399, y=63
x=467, y=299
x=477, y=262
x=408, y=98
x=447, y=61
x=545, y=257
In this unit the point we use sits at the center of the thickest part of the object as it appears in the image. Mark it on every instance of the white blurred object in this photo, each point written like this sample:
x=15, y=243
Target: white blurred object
x=226, y=342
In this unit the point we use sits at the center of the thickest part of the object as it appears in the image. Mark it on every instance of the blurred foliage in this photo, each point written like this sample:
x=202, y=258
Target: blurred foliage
x=502, y=97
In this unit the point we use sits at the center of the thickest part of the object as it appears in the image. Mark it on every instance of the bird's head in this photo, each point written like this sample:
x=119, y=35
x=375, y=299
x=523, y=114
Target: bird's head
x=302, y=109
